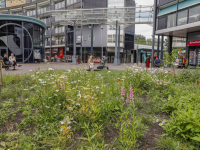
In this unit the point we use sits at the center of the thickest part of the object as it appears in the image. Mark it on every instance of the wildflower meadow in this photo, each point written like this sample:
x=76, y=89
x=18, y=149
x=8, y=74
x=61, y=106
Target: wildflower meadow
x=76, y=109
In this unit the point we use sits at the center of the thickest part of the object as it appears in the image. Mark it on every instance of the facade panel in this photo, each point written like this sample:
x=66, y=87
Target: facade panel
x=58, y=38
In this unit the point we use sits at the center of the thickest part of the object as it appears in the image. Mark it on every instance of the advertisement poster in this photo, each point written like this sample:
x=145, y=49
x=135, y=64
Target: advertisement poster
x=37, y=54
x=61, y=52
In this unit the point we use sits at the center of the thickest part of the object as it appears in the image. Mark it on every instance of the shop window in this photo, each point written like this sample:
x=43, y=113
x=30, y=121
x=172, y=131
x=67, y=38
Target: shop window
x=162, y=23
x=171, y=20
x=194, y=14
x=182, y=17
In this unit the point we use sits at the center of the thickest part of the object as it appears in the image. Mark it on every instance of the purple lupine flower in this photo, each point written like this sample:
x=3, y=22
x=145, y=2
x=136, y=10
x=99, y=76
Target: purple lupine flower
x=127, y=101
x=122, y=92
x=131, y=94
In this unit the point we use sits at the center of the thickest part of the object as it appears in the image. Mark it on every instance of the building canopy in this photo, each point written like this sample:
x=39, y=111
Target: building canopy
x=105, y=16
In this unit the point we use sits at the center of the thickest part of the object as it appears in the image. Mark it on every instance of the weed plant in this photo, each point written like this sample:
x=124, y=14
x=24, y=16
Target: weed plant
x=77, y=109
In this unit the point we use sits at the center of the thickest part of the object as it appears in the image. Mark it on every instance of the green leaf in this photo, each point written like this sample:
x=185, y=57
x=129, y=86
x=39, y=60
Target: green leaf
x=196, y=138
x=188, y=127
x=3, y=144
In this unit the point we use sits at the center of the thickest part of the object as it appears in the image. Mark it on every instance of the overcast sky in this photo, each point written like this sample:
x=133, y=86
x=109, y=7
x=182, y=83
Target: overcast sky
x=145, y=30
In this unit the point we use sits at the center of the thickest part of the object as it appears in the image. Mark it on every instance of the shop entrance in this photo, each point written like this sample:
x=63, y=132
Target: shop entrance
x=194, y=55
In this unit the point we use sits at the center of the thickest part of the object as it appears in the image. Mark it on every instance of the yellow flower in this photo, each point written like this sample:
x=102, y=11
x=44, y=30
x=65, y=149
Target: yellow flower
x=63, y=127
x=68, y=136
x=66, y=130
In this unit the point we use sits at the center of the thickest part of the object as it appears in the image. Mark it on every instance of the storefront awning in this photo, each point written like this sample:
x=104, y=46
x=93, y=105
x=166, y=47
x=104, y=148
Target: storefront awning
x=187, y=3
x=167, y=10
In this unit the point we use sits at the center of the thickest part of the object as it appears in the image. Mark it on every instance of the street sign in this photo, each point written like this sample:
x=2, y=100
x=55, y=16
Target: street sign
x=148, y=54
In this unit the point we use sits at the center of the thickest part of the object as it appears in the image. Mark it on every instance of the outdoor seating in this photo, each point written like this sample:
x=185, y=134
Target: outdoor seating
x=5, y=66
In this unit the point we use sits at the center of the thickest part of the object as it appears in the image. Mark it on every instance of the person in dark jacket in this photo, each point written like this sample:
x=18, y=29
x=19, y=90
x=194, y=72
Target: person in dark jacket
x=5, y=59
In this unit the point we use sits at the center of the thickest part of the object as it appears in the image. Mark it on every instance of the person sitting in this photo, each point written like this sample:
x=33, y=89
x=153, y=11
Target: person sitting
x=5, y=59
x=91, y=62
x=13, y=60
x=157, y=61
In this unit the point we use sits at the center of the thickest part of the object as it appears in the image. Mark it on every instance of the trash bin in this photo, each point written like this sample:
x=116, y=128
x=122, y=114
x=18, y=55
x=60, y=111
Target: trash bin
x=148, y=62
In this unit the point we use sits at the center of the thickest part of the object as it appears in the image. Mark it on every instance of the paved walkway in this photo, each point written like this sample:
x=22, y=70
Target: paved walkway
x=34, y=67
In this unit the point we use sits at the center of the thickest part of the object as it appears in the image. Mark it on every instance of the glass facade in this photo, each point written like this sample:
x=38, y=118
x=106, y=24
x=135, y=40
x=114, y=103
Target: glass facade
x=2, y=3
x=171, y=20
x=117, y=3
x=182, y=17
x=194, y=14
x=189, y=15
x=12, y=39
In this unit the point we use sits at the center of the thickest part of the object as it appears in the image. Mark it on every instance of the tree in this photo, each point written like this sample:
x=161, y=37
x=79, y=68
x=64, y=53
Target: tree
x=149, y=41
x=140, y=39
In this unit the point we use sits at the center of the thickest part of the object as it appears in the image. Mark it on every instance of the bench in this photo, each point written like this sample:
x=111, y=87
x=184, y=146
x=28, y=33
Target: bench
x=5, y=66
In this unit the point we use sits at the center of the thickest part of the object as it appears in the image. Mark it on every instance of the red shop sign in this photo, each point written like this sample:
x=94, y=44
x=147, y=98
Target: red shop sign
x=54, y=52
x=194, y=43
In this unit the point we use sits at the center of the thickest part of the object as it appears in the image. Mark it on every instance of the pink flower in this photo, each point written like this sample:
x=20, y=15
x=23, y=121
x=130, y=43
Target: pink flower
x=127, y=101
x=131, y=94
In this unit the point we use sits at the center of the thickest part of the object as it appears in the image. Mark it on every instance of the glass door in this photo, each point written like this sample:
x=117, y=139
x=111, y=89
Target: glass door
x=198, y=57
x=193, y=56
x=3, y=51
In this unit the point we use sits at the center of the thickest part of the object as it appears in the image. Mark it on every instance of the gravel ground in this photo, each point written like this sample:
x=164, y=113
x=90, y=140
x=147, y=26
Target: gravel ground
x=25, y=68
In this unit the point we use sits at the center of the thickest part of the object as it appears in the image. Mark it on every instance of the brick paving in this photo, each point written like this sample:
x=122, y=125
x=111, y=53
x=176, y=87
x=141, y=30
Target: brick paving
x=25, y=68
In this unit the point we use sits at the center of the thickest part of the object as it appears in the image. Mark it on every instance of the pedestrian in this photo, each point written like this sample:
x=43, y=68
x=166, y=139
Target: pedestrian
x=91, y=62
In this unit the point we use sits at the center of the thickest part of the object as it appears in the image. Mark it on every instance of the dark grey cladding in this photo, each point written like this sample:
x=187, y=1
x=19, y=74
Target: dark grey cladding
x=95, y=3
x=163, y=2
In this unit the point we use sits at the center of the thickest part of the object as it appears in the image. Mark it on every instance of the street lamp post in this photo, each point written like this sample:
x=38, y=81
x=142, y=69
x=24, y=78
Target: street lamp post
x=101, y=42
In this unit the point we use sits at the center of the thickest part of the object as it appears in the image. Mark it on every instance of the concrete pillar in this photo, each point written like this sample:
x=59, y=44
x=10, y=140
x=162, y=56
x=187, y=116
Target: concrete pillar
x=66, y=31
x=118, y=53
x=50, y=33
x=158, y=47
x=22, y=41
x=116, y=58
x=162, y=46
x=91, y=39
x=74, y=62
x=126, y=55
x=154, y=29
x=187, y=49
x=36, y=9
x=170, y=45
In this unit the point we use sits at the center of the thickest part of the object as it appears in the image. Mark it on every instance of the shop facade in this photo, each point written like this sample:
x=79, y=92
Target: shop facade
x=23, y=36
x=194, y=48
x=180, y=18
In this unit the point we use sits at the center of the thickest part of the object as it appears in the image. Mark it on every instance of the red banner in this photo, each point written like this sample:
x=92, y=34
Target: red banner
x=194, y=43
x=61, y=52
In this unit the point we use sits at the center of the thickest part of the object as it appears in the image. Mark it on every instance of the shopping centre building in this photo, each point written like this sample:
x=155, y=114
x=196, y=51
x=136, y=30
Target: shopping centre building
x=23, y=36
x=180, y=18
x=59, y=38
